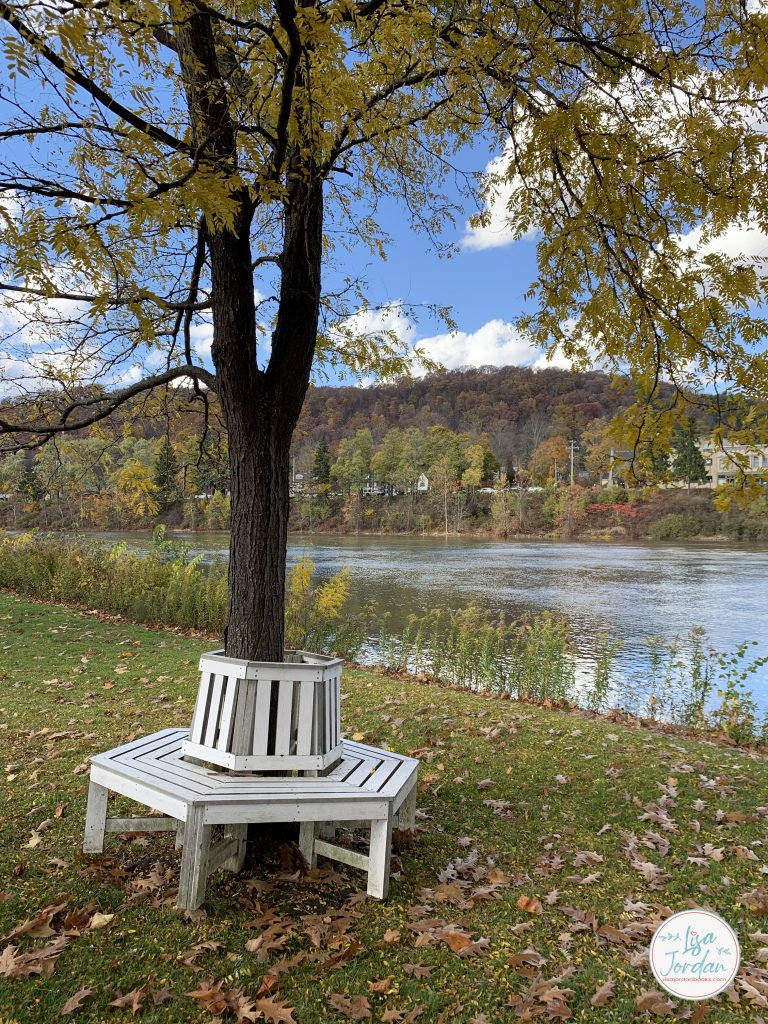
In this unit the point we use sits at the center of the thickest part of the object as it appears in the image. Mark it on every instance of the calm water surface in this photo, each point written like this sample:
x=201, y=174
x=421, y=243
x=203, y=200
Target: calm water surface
x=627, y=591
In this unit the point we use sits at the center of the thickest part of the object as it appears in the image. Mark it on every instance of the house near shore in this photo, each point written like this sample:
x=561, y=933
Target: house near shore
x=422, y=484
x=726, y=461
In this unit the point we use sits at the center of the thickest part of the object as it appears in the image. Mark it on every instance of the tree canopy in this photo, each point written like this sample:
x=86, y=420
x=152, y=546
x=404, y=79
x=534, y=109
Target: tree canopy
x=178, y=171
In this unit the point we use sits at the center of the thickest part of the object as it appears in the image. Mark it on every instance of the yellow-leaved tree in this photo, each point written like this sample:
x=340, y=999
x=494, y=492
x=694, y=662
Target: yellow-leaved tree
x=169, y=169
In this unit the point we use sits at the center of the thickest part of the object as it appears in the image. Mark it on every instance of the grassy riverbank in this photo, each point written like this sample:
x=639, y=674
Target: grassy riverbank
x=585, y=832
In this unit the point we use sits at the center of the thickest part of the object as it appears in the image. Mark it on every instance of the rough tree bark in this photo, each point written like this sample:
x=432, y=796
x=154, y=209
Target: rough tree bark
x=260, y=407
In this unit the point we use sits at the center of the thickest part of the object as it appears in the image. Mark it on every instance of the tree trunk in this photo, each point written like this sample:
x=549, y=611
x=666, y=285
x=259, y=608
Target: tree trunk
x=257, y=548
x=261, y=407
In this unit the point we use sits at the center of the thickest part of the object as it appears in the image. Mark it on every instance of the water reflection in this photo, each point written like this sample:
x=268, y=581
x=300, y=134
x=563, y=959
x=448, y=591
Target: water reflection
x=627, y=591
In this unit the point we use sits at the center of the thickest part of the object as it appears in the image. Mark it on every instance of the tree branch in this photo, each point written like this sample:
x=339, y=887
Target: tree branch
x=88, y=85
x=111, y=401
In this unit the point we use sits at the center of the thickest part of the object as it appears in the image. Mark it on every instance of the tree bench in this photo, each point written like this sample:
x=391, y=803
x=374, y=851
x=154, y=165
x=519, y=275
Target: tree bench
x=366, y=785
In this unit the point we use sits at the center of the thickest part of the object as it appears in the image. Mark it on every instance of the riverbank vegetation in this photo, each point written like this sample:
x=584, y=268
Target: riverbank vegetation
x=688, y=684
x=475, y=452
x=550, y=845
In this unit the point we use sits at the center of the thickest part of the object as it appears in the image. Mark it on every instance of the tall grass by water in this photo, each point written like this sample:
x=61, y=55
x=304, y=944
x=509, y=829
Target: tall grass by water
x=166, y=586
x=688, y=683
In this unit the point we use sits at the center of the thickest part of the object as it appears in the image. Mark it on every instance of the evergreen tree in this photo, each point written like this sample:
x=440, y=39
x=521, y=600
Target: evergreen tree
x=689, y=463
x=30, y=485
x=321, y=469
x=166, y=476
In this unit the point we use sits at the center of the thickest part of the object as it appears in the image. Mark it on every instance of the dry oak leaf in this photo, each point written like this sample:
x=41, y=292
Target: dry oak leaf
x=454, y=939
x=39, y=961
x=380, y=986
x=605, y=993
x=527, y=962
x=75, y=1002
x=210, y=997
x=417, y=970
x=530, y=904
x=353, y=1007
x=162, y=995
x=653, y=1001
x=277, y=1013
x=132, y=1000
x=390, y=936
x=39, y=926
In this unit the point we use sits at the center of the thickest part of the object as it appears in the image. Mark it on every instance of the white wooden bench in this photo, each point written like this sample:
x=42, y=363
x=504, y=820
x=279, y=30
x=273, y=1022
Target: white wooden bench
x=367, y=785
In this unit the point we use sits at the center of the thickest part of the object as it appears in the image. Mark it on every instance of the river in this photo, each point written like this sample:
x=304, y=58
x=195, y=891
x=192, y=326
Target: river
x=628, y=592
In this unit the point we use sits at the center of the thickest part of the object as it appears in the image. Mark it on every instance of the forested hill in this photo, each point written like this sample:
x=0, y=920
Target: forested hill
x=517, y=407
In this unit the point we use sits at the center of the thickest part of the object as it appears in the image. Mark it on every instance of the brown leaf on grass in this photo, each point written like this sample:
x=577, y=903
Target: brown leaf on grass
x=530, y=904
x=349, y=948
x=132, y=1000
x=75, y=1002
x=527, y=963
x=604, y=994
x=353, y=1007
x=380, y=986
x=755, y=900
x=210, y=997
x=39, y=961
x=276, y=1013
x=655, y=1002
x=453, y=938
x=162, y=995
x=417, y=970
x=391, y=936
x=268, y=982
x=197, y=950
x=498, y=877
x=39, y=926
x=449, y=892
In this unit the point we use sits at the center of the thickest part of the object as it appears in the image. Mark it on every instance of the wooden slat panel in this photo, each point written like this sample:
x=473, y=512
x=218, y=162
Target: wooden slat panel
x=328, y=740
x=201, y=707
x=261, y=718
x=224, y=739
x=214, y=710
x=153, y=824
x=284, y=712
x=343, y=856
x=306, y=690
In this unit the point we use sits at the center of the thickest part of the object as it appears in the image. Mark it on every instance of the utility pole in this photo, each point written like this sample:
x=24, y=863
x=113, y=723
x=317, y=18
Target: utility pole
x=573, y=449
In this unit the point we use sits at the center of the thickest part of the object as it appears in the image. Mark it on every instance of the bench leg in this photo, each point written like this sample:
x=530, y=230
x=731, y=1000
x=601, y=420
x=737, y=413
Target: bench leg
x=406, y=816
x=378, y=858
x=179, y=835
x=236, y=861
x=194, y=860
x=307, y=832
x=95, y=818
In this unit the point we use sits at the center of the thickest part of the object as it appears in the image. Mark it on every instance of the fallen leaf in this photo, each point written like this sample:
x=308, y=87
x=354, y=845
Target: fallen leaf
x=353, y=1007
x=75, y=1002
x=605, y=993
x=530, y=904
x=100, y=921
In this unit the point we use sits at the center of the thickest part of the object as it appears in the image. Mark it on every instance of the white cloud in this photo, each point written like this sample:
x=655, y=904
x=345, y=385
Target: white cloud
x=500, y=187
x=737, y=241
x=496, y=343
x=390, y=319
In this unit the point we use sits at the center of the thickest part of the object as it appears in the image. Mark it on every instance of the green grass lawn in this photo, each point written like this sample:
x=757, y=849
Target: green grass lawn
x=550, y=844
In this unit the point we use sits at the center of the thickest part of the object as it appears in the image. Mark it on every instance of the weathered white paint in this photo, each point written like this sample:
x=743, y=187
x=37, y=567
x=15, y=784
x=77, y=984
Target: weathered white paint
x=367, y=786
